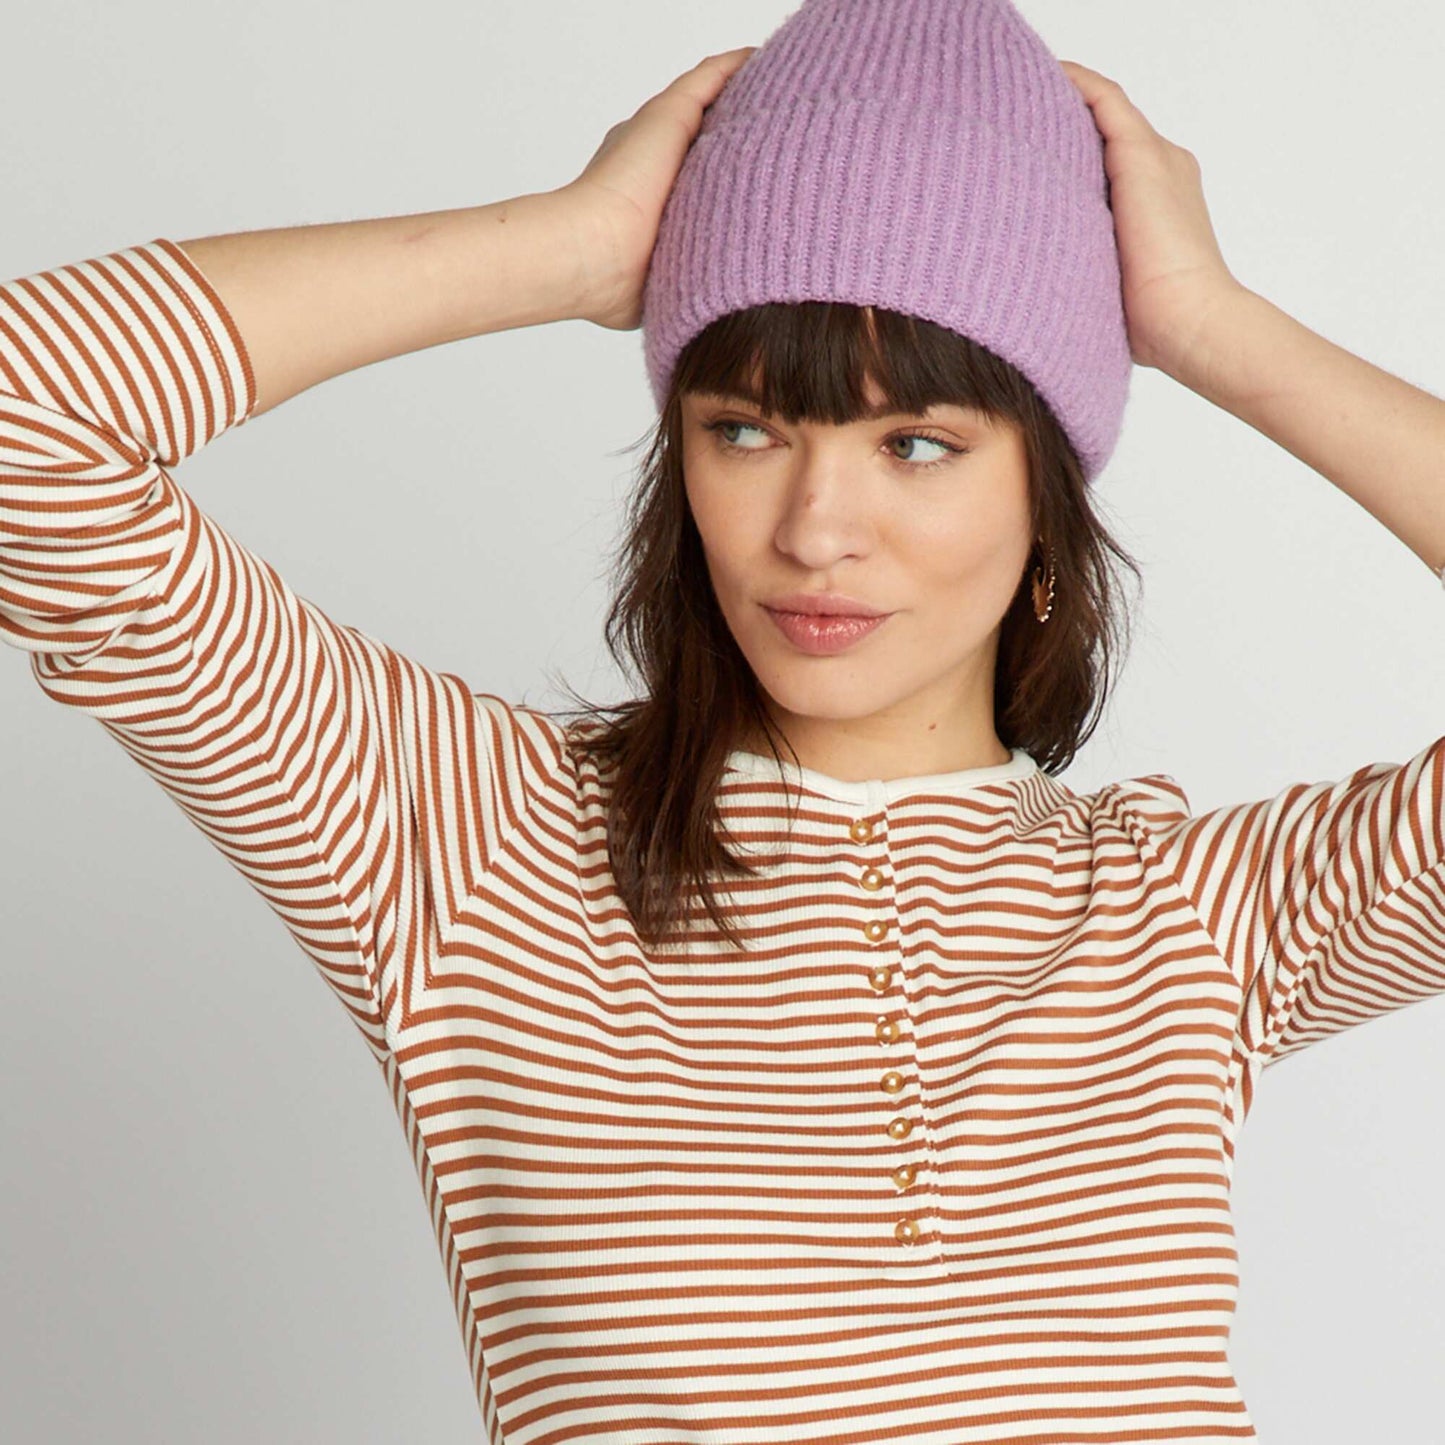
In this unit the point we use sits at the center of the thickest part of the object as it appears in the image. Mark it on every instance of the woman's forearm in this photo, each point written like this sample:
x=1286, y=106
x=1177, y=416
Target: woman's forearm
x=312, y=302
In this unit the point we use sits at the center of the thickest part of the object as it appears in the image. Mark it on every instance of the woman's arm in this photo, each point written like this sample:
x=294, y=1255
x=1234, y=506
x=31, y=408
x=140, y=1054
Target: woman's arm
x=1379, y=439
x=313, y=302
x=362, y=794
x=1376, y=437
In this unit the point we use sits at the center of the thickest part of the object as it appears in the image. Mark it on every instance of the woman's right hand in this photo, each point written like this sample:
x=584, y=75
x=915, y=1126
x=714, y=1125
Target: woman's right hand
x=619, y=198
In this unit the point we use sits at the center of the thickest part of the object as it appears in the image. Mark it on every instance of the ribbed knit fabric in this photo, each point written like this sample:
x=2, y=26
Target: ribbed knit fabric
x=929, y=156
x=945, y=1158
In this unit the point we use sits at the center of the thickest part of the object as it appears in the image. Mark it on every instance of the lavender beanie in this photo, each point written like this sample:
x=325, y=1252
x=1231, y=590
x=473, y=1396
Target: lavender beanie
x=928, y=156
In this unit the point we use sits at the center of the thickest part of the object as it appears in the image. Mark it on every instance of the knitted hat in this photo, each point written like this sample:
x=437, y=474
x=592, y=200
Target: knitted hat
x=928, y=156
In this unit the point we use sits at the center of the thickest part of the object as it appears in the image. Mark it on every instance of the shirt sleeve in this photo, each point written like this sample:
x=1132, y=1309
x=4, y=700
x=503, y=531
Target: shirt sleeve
x=1327, y=900
x=360, y=794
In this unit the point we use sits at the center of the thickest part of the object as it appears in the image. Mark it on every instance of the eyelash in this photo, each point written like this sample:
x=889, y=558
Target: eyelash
x=727, y=446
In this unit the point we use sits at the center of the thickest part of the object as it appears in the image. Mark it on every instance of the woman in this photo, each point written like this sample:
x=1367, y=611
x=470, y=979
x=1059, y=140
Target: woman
x=888, y=1090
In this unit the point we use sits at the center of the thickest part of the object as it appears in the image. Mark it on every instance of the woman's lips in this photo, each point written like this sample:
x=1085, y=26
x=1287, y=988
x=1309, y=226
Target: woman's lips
x=823, y=635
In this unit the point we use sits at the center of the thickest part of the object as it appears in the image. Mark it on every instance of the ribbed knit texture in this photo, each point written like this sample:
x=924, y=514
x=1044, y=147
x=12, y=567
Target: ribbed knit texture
x=943, y=1159
x=930, y=156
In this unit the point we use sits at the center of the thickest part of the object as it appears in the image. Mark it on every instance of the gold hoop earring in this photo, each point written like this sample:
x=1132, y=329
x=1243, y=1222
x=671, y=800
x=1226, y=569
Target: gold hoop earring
x=1044, y=592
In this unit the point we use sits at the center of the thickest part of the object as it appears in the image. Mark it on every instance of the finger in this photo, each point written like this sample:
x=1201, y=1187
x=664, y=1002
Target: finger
x=1115, y=113
x=1089, y=81
x=708, y=77
x=725, y=61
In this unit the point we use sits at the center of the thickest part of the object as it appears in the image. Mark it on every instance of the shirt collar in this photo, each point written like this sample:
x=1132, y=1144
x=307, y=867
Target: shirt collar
x=877, y=791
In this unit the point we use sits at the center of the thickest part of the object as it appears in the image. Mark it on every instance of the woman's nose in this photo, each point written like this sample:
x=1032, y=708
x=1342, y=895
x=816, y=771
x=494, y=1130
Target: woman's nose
x=823, y=517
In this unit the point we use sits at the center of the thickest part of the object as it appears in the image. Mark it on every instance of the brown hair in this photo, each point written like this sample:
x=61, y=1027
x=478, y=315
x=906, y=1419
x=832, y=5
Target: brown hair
x=668, y=748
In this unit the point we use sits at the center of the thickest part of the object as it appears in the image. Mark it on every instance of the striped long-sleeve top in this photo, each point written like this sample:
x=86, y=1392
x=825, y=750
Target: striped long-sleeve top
x=943, y=1157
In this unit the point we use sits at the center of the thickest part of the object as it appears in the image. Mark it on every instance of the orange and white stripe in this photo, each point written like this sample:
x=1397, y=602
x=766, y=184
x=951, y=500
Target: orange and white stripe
x=944, y=1157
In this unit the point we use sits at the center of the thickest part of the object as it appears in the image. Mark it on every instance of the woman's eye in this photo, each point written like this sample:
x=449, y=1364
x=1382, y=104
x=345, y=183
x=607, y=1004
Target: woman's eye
x=724, y=426
x=928, y=442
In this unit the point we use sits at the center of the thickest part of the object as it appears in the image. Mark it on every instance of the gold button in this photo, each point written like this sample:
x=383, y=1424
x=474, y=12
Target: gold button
x=887, y=1031
x=880, y=978
x=904, y=1175
x=872, y=879
x=875, y=930
x=905, y=1231
x=861, y=831
x=900, y=1128
x=892, y=1082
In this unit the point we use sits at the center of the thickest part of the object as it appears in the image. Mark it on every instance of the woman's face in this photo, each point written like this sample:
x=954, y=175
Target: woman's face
x=858, y=510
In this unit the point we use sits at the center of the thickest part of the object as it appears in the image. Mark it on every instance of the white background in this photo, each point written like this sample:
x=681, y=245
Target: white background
x=210, y=1227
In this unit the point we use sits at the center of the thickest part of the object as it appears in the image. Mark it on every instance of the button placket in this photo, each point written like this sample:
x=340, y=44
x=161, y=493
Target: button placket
x=887, y=1029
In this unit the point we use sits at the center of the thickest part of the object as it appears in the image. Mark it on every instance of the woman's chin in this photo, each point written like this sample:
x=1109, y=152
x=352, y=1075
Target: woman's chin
x=836, y=700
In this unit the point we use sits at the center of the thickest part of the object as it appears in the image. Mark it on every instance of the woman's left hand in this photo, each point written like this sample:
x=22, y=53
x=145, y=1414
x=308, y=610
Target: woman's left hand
x=1173, y=272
